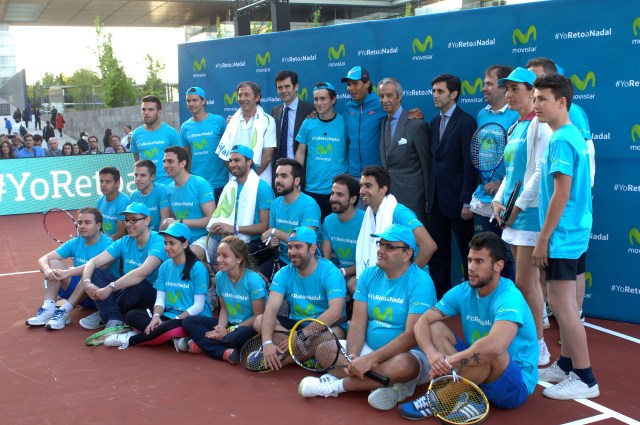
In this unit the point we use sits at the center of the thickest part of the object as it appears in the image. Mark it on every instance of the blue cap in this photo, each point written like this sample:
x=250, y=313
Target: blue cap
x=323, y=86
x=196, y=90
x=398, y=233
x=177, y=230
x=303, y=234
x=560, y=69
x=357, y=73
x=137, y=208
x=242, y=150
x=519, y=75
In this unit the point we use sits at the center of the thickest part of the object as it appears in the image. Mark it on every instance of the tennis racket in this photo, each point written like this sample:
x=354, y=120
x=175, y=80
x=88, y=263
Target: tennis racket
x=487, y=149
x=99, y=337
x=252, y=357
x=456, y=400
x=315, y=347
x=505, y=215
x=60, y=225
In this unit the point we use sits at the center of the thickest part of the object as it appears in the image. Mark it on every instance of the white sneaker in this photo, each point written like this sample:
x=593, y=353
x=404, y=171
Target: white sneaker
x=119, y=340
x=386, y=398
x=544, y=357
x=59, y=320
x=545, y=319
x=571, y=388
x=41, y=318
x=93, y=321
x=552, y=374
x=314, y=387
x=113, y=323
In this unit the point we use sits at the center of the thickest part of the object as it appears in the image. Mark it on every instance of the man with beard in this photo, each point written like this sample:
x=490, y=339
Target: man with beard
x=150, y=193
x=498, y=349
x=150, y=139
x=312, y=286
x=340, y=229
x=290, y=209
x=244, y=204
x=111, y=203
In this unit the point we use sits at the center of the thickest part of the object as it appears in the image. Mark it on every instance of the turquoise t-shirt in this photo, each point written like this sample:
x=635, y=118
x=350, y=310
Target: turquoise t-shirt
x=286, y=217
x=203, y=137
x=264, y=198
x=82, y=253
x=309, y=296
x=180, y=294
x=238, y=298
x=515, y=159
x=155, y=200
x=343, y=237
x=327, y=151
x=478, y=314
x=133, y=257
x=389, y=302
x=567, y=153
x=578, y=117
x=506, y=118
x=151, y=145
x=186, y=201
x=111, y=212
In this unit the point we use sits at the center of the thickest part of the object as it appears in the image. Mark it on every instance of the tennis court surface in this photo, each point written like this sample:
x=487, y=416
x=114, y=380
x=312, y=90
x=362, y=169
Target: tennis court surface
x=50, y=377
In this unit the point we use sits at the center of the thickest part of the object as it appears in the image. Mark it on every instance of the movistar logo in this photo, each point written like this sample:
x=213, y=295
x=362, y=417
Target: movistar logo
x=233, y=310
x=378, y=315
x=199, y=65
x=335, y=54
x=524, y=38
x=303, y=94
x=476, y=335
x=636, y=26
x=173, y=297
x=230, y=99
x=344, y=253
x=150, y=153
x=487, y=143
x=634, y=236
x=635, y=132
x=322, y=150
x=263, y=60
x=309, y=311
x=225, y=207
x=582, y=84
x=589, y=279
x=181, y=214
x=508, y=155
x=200, y=145
x=108, y=226
x=419, y=47
x=467, y=88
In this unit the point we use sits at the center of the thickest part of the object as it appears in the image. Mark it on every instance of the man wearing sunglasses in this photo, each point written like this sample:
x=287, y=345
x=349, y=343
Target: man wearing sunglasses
x=141, y=252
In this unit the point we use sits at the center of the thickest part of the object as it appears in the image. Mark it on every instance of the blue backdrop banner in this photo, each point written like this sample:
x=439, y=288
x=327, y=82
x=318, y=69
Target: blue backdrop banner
x=598, y=48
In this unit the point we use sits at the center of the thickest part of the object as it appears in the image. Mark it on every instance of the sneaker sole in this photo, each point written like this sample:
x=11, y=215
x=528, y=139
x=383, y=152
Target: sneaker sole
x=383, y=398
x=35, y=325
x=92, y=328
x=592, y=394
x=54, y=328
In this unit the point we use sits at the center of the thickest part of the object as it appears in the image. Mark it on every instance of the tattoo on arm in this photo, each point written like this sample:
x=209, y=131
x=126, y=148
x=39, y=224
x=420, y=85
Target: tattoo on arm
x=476, y=358
x=437, y=310
x=464, y=363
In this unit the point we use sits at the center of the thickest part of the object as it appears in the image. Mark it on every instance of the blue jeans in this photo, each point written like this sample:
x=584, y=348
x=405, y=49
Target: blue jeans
x=117, y=305
x=197, y=326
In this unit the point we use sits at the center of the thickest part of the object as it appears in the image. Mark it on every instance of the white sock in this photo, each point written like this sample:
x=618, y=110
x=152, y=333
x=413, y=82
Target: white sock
x=49, y=305
x=340, y=386
x=541, y=343
x=67, y=307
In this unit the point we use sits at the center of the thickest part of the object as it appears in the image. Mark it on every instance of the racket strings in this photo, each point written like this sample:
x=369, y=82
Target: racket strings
x=60, y=225
x=457, y=402
x=487, y=147
x=314, y=347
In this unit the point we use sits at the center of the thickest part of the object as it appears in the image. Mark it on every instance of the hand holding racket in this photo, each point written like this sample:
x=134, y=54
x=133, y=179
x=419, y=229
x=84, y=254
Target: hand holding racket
x=60, y=225
x=505, y=215
x=314, y=346
x=487, y=149
x=252, y=352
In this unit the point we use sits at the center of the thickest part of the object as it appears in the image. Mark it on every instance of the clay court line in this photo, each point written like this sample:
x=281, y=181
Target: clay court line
x=614, y=333
x=589, y=420
x=16, y=273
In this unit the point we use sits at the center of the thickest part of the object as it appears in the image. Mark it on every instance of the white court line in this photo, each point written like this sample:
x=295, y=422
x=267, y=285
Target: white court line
x=590, y=420
x=614, y=333
x=605, y=411
x=17, y=273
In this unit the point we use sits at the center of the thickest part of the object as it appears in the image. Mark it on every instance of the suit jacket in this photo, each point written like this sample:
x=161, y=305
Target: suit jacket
x=453, y=177
x=304, y=109
x=409, y=162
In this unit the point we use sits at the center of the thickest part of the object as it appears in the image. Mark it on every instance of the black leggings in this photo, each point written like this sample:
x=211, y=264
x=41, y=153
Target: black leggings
x=197, y=326
x=167, y=330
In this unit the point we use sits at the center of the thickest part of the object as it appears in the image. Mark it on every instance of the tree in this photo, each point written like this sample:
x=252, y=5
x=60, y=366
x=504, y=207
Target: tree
x=316, y=16
x=119, y=88
x=87, y=89
x=407, y=10
x=154, y=84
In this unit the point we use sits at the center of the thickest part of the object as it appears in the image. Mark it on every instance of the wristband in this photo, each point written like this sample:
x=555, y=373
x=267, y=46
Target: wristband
x=232, y=328
x=236, y=230
x=155, y=314
x=343, y=271
x=273, y=231
x=112, y=285
x=267, y=342
x=46, y=272
x=85, y=281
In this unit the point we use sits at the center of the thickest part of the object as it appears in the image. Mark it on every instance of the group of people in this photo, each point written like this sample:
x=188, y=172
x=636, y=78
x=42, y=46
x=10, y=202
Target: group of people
x=347, y=218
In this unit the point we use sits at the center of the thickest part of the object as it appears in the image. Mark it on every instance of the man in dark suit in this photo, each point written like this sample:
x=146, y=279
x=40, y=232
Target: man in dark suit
x=453, y=180
x=405, y=150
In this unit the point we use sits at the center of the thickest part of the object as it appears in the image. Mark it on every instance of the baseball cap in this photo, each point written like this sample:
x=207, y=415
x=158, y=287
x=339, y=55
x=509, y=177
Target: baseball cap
x=303, y=234
x=245, y=151
x=196, y=90
x=357, y=73
x=518, y=75
x=323, y=86
x=177, y=230
x=137, y=208
x=398, y=233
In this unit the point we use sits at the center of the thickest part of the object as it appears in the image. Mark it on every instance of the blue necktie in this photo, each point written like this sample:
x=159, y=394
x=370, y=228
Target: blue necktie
x=284, y=134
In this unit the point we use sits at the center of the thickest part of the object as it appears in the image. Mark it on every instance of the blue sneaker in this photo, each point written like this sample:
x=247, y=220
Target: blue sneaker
x=465, y=410
x=418, y=408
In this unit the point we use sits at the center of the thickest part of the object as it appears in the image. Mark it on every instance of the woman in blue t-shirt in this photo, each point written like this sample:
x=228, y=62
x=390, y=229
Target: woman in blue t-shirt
x=242, y=292
x=182, y=286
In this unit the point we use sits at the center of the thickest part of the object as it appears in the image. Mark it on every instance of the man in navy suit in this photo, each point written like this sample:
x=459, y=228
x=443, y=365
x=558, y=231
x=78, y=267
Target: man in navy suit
x=452, y=181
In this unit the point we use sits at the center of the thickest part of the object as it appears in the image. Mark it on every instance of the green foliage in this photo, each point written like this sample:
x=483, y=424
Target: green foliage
x=407, y=10
x=87, y=90
x=154, y=84
x=219, y=33
x=316, y=16
x=119, y=88
x=261, y=28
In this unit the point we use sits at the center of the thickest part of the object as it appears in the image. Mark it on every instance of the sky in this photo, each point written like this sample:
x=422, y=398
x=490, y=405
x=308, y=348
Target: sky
x=65, y=49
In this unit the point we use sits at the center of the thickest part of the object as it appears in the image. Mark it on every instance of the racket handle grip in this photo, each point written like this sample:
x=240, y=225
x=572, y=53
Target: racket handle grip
x=378, y=378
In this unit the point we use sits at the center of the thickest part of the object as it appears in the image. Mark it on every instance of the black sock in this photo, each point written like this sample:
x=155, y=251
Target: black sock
x=586, y=376
x=565, y=364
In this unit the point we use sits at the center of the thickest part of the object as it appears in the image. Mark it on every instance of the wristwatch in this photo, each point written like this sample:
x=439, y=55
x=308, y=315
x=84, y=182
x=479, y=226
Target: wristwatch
x=113, y=285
